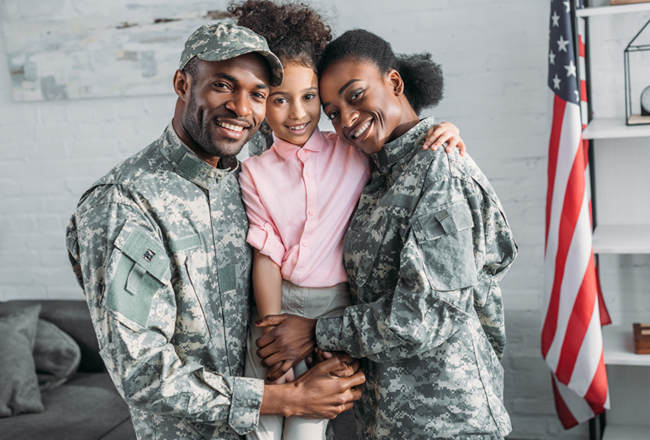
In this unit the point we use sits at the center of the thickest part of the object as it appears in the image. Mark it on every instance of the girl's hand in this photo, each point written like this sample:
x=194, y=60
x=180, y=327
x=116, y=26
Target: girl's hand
x=292, y=340
x=444, y=132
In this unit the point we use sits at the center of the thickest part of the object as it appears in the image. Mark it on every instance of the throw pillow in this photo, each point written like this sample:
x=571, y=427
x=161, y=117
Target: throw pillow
x=56, y=355
x=19, y=391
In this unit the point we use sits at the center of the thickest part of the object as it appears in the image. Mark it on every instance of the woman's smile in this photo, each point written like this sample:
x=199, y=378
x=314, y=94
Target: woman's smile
x=362, y=103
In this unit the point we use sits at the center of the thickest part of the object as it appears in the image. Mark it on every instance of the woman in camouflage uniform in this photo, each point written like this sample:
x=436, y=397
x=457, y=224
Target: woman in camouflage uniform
x=424, y=253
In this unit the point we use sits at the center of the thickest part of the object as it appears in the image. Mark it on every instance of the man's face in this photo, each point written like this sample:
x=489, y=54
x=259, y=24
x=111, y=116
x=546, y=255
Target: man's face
x=227, y=103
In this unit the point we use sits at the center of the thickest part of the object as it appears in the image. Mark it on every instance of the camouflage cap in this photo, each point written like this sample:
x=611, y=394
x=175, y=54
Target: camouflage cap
x=223, y=41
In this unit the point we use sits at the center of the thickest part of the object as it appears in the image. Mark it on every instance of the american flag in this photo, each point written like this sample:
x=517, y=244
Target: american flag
x=572, y=343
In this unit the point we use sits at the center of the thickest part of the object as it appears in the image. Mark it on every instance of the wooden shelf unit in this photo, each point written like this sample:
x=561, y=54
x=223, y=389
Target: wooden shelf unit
x=619, y=432
x=626, y=421
x=621, y=239
x=618, y=342
x=610, y=10
x=614, y=128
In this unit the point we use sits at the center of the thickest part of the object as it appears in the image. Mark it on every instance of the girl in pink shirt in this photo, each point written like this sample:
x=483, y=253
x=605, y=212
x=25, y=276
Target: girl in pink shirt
x=300, y=195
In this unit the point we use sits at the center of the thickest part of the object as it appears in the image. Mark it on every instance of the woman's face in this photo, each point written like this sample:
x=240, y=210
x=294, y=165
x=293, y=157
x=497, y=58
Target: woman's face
x=362, y=103
x=293, y=109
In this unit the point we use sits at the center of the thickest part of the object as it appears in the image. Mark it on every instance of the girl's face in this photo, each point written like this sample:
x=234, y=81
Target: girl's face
x=362, y=103
x=293, y=109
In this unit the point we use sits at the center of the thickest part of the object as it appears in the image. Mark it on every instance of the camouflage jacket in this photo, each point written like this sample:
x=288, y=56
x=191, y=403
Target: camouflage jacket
x=159, y=248
x=424, y=253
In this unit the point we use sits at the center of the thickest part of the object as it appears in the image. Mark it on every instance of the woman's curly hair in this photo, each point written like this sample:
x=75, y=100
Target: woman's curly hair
x=295, y=32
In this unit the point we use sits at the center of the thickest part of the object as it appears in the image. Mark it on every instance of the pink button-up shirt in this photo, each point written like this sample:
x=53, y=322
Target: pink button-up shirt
x=299, y=202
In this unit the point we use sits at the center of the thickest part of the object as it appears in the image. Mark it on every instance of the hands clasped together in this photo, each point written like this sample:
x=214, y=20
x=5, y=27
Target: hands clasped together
x=332, y=383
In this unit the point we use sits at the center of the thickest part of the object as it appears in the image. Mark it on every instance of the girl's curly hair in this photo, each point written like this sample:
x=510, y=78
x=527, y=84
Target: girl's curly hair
x=295, y=32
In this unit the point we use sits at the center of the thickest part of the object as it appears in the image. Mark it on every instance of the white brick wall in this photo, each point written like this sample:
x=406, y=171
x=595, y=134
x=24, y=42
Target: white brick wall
x=494, y=57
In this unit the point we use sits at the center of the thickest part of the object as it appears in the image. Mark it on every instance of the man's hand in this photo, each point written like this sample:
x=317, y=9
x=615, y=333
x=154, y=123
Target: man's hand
x=445, y=132
x=317, y=394
x=292, y=340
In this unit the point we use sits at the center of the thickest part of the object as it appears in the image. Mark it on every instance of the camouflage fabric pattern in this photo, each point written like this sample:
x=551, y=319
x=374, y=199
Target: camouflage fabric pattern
x=424, y=254
x=224, y=41
x=261, y=141
x=159, y=248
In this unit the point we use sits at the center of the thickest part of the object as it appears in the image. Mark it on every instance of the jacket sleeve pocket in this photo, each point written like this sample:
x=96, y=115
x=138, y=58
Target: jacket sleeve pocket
x=137, y=269
x=445, y=239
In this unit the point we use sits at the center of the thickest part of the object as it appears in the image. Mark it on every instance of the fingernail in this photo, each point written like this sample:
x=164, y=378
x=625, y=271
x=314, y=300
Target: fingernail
x=258, y=322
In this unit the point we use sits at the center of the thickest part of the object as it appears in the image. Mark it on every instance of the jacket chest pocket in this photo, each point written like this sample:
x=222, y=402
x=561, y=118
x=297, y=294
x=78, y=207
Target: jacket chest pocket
x=446, y=240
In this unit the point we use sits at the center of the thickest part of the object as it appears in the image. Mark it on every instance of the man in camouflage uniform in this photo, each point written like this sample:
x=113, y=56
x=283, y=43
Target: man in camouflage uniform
x=159, y=247
x=425, y=252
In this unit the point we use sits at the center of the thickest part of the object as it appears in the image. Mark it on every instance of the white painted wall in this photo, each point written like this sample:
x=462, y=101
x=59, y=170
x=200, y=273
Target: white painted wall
x=494, y=57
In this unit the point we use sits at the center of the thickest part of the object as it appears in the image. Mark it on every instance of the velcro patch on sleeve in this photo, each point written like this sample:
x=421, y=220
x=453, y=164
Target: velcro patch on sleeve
x=142, y=269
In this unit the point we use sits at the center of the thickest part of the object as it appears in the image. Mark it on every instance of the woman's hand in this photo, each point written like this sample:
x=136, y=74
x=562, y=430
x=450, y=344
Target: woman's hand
x=350, y=364
x=444, y=132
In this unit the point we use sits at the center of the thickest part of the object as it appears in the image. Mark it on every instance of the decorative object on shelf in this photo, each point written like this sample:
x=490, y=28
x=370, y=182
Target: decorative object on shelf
x=645, y=102
x=626, y=2
x=642, y=117
x=642, y=338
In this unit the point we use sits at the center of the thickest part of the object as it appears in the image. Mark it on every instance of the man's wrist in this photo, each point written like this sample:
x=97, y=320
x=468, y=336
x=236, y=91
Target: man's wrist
x=278, y=400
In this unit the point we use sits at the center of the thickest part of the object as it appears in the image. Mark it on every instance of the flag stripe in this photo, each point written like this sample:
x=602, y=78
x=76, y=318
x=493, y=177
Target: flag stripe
x=588, y=360
x=554, y=144
x=568, y=146
x=578, y=259
x=568, y=218
x=598, y=394
x=563, y=411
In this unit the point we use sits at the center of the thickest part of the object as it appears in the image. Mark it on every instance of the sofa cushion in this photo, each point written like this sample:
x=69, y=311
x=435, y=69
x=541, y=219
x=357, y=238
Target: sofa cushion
x=72, y=317
x=56, y=355
x=19, y=391
x=86, y=407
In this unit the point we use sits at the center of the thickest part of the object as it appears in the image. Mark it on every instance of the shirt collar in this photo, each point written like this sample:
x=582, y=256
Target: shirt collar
x=188, y=164
x=395, y=150
x=286, y=149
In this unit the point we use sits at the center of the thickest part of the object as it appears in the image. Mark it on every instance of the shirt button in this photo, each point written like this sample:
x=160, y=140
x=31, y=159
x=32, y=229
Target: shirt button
x=305, y=243
x=295, y=280
x=307, y=174
x=312, y=212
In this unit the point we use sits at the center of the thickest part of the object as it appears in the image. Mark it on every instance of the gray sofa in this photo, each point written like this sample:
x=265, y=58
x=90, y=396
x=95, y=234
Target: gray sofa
x=87, y=407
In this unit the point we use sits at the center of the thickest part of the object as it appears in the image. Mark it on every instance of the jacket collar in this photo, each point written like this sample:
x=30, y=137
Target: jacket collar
x=188, y=164
x=394, y=151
